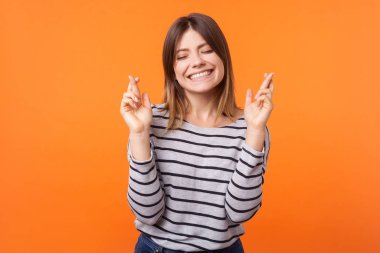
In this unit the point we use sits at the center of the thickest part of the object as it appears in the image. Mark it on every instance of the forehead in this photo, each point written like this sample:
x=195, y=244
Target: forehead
x=189, y=39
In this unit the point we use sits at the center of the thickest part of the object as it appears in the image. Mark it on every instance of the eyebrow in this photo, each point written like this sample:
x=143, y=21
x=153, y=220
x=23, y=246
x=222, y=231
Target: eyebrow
x=186, y=49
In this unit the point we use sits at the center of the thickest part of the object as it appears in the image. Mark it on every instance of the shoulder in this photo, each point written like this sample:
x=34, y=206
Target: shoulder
x=159, y=113
x=239, y=118
x=158, y=109
x=239, y=114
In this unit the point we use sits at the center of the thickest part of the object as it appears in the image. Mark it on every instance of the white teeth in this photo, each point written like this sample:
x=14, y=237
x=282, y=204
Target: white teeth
x=205, y=73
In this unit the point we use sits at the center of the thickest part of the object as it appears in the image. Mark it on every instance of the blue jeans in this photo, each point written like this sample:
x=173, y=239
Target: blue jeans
x=146, y=245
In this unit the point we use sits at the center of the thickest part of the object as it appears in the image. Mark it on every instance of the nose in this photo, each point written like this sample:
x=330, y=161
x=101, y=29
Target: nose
x=197, y=61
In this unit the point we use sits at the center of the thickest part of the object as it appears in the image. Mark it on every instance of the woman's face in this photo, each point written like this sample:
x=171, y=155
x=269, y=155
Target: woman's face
x=197, y=67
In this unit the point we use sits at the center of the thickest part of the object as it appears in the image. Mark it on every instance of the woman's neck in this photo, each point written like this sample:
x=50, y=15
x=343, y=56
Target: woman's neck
x=203, y=111
x=202, y=108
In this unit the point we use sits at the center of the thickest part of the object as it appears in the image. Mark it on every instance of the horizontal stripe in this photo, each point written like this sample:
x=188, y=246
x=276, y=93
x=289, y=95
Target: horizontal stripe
x=253, y=155
x=175, y=241
x=245, y=176
x=146, y=205
x=235, y=127
x=195, y=143
x=194, y=201
x=203, y=135
x=145, y=194
x=245, y=188
x=241, y=199
x=198, y=225
x=140, y=172
x=195, y=178
x=194, y=189
x=167, y=118
x=222, y=127
x=195, y=154
x=241, y=211
x=195, y=213
x=194, y=165
x=143, y=215
x=242, y=221
x=143, y=183
x=249, y=165
x=197, y=236
x=140, y=163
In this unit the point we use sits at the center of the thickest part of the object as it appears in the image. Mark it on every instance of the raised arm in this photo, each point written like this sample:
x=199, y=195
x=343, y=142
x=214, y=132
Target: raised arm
x=145, y=195
x=244, y=192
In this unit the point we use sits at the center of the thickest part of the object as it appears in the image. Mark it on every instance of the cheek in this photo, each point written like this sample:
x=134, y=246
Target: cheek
x=221, y=68
x=179, y=69
x=219, y=64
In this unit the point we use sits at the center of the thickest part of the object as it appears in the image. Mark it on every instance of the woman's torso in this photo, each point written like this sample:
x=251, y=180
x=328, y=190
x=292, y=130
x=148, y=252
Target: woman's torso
x=195, y=165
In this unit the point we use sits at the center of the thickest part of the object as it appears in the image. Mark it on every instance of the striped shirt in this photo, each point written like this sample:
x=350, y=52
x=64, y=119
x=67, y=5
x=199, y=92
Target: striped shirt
x=199, y=185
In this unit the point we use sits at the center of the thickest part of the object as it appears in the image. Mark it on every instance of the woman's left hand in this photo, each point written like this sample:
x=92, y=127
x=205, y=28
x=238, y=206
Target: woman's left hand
x=257, y=113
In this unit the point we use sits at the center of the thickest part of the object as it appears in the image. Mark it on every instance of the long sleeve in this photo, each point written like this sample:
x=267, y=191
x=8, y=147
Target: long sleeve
x=244, y=191
x=145, y=195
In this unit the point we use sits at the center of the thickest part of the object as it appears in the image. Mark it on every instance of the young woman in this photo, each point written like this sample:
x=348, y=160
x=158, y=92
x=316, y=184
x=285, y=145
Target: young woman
x=197, y=161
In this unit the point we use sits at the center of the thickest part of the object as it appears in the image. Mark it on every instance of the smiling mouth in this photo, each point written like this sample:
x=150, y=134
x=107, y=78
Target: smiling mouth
x=200, y=75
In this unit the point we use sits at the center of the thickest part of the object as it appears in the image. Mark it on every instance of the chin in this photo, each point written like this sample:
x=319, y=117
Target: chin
x=201, y=89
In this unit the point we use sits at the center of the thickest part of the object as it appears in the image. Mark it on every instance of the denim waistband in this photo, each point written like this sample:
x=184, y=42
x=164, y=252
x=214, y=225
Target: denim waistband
x=159, y=249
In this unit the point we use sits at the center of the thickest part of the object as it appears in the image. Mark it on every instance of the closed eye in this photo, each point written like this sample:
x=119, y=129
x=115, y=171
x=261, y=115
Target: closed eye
x=207, y=52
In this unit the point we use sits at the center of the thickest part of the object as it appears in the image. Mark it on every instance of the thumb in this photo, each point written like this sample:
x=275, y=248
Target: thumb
x=146, y=100
x=248, y=97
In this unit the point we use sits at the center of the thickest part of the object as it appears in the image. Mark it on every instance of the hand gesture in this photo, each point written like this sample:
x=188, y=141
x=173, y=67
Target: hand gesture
x=136, y=111
x=257, y=113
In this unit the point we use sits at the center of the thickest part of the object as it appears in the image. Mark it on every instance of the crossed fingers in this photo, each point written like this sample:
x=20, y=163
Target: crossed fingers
x=132, y=98
x=266, y=87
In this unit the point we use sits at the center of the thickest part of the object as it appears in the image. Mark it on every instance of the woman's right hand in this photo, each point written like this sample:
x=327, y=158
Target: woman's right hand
x=136, y=110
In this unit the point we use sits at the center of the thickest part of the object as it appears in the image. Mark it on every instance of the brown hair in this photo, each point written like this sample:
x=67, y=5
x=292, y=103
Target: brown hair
x=174, y=96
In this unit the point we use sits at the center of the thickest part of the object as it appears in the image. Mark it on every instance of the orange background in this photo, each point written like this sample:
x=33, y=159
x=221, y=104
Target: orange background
x=64, y=66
